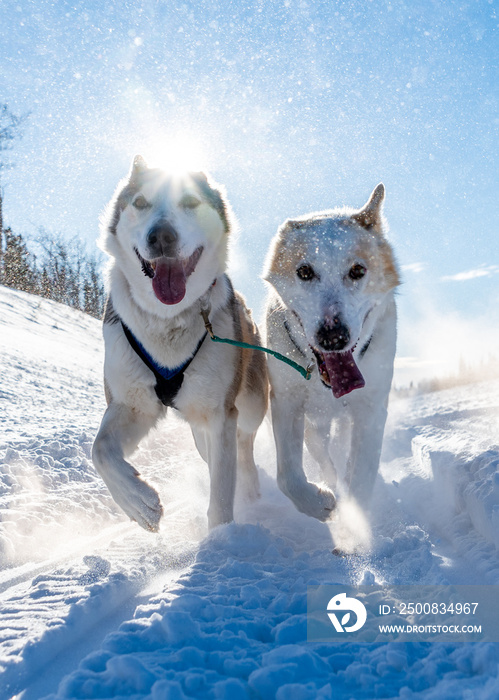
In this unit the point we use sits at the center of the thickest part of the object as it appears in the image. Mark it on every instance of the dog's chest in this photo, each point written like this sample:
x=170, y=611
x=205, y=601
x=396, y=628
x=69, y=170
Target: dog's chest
x=170, y=344
x=320, y=402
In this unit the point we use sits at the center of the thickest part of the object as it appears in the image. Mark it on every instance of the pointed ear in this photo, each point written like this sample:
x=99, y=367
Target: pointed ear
x=292, y=225
x=200, y=176
x=370, y=216
x=138, y=166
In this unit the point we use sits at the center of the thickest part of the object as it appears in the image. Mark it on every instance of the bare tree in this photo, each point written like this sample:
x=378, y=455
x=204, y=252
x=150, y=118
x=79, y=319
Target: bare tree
x=10, y=129
x=69, y=274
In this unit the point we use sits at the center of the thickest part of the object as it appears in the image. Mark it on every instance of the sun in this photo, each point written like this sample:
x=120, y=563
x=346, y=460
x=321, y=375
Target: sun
x=183, y=152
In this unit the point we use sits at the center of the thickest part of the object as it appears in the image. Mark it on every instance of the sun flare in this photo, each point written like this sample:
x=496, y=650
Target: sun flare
x=178, y=154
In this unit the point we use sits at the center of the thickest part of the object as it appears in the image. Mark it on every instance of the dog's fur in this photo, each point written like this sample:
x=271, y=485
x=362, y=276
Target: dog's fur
x=332, y=277
x=167, y=237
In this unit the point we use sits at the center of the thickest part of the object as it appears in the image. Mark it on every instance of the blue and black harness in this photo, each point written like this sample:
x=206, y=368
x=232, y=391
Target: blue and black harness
x=168, y=380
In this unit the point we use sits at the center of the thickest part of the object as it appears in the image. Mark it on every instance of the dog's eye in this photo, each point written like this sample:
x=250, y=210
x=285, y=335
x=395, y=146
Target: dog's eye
x=141, y=202
x=357, y=271
x=306, y=273
x=188, y=201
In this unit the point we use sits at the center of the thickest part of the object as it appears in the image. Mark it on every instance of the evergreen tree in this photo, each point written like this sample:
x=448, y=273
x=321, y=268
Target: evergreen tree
x=45, y=286
x=17, y=268
x=93, y=291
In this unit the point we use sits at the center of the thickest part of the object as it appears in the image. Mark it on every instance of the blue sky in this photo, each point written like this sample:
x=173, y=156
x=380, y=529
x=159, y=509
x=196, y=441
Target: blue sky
x=296, y=106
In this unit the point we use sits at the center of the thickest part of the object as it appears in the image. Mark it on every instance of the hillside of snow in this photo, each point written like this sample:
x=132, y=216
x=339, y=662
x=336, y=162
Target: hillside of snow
x=91, y=606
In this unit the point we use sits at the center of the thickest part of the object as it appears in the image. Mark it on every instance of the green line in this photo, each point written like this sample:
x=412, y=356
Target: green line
x=305, y=372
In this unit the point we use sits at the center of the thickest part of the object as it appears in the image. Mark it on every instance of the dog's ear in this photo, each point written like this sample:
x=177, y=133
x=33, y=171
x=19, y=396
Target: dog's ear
x=139, y=166
x=200, y=176
x=371, y=216
x=292, y=225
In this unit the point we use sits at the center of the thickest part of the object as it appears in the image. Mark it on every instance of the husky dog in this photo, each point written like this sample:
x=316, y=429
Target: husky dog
x=167, y=237
x=332, y=277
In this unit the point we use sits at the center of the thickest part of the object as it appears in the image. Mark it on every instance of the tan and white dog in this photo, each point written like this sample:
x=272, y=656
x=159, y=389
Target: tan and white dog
x=167, y=237
x=332, y=277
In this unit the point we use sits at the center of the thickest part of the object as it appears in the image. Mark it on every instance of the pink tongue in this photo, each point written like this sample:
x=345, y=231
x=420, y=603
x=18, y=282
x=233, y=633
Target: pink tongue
x=169, y=281
x=344, y=375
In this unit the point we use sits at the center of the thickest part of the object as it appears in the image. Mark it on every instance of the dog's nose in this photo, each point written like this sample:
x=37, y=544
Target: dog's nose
x=333, y=335
x=162, y=240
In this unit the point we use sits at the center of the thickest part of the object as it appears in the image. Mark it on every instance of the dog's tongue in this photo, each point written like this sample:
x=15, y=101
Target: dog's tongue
x=344, y=375
x=169, y=280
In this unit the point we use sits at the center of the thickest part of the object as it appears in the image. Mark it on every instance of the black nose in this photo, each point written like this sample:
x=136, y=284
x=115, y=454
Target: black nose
x=162, y=240
x=333, y=335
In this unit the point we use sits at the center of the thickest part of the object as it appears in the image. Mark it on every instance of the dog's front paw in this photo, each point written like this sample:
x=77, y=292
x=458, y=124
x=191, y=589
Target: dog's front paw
x=323, y=505
x=309, y=498
x=140, y=502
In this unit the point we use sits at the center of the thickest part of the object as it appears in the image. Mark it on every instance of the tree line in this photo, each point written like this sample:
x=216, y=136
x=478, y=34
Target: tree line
x=62, y=271
x=486, y=369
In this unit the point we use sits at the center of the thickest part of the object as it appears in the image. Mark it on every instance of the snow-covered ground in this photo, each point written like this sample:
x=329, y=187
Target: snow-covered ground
x=93, y=607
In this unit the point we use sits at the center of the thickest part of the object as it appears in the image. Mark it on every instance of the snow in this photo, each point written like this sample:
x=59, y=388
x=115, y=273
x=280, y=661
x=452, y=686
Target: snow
x=92, y=607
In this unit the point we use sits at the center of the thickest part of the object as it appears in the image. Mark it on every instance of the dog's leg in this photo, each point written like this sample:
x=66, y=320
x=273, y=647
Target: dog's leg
x=222, y=461
x=317, y=437
x=288, y=424
x=200, y=442
x=247, y=474
x=368, y=424
x=120, y=432
x=340, y=442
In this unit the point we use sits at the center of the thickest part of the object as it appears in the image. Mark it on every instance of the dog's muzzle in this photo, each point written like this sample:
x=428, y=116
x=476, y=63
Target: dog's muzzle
x=337, y=366
x=162, y=241
x=332, y=335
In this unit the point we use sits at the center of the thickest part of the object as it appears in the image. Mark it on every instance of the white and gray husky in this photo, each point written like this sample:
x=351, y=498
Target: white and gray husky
x=167, y=237
x=332, y=277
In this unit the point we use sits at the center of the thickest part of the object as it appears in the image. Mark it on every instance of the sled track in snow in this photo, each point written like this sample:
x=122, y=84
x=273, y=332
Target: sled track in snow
x=13, y=577
x=65, y=606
